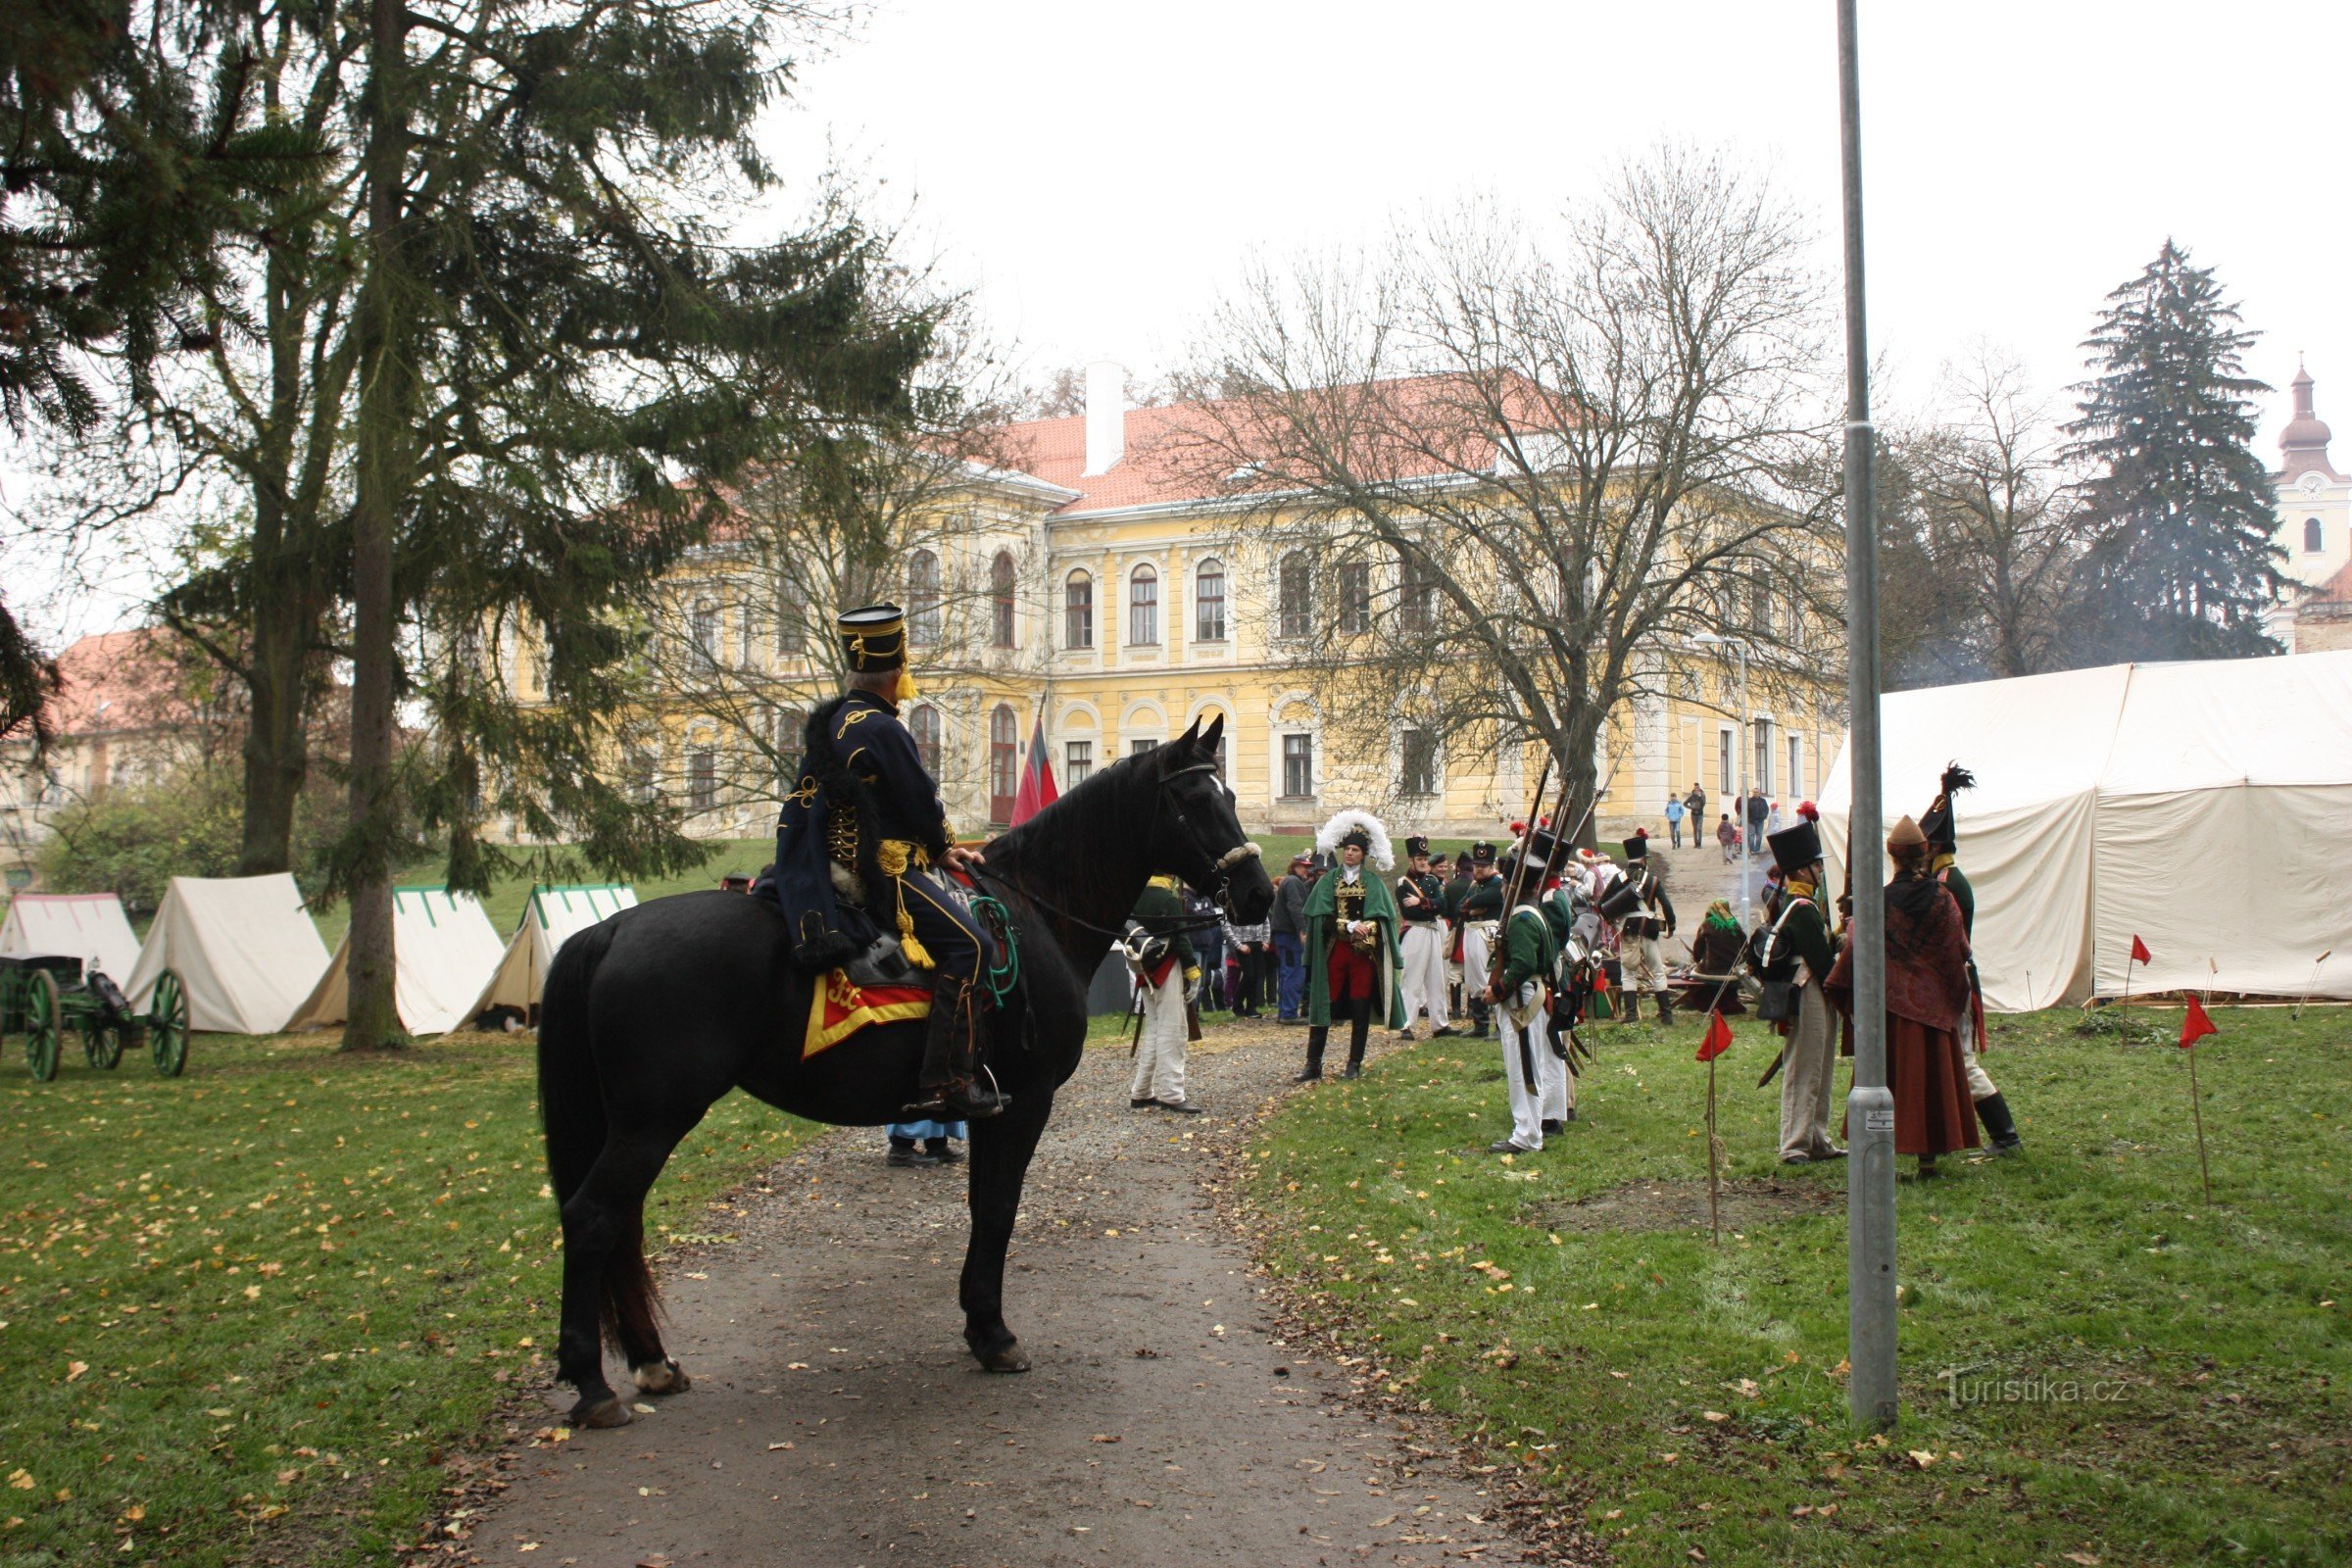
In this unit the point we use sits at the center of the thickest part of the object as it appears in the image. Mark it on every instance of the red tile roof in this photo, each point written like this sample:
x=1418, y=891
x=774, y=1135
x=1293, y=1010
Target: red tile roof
x=120, y=680
x=1185, y=450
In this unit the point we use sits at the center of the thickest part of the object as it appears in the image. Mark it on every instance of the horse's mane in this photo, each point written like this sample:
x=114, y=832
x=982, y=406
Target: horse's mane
x=1111, y=806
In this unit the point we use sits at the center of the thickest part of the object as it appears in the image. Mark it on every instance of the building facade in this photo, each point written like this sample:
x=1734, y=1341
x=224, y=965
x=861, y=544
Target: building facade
x=1099, y=595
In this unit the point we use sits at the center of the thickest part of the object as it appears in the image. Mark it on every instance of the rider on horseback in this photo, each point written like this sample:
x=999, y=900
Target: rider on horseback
x=859, y=847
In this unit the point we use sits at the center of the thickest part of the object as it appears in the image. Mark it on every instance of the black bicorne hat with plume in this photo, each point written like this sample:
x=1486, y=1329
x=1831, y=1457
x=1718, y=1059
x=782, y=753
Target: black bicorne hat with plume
x=1937, y=822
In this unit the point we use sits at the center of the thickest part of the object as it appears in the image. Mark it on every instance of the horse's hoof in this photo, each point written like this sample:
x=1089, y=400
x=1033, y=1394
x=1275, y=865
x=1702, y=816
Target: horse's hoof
x=662, y=1376
x=607, y=1411
x=1005, y=1357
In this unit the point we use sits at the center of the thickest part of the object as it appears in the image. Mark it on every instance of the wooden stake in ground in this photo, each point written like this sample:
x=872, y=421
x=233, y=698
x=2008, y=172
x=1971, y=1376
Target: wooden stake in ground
x=1717, y=1041
x=2310, y=985
x=2193, y=1028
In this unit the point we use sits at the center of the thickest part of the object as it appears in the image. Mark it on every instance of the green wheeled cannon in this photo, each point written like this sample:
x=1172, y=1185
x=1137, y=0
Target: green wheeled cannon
x=44, y=995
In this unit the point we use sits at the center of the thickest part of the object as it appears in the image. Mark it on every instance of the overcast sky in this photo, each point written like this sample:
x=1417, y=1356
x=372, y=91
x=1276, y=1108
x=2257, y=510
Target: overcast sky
x=1098, y=173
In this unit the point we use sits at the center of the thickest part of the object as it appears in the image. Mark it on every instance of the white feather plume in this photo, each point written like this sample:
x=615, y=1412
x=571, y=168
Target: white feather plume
x=1344, y=823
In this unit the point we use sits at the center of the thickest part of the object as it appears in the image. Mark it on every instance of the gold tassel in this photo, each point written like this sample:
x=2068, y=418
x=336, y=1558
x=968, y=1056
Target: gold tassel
x=905, y=690
x=916, y=953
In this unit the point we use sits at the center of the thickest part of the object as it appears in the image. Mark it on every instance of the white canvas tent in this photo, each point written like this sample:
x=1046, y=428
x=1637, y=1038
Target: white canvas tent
x=244, y=947
x=2204, y=807
x=443, y=946
x=89, y=926
x=553, y=914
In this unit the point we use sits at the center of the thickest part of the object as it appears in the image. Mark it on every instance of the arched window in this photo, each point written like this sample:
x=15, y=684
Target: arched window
x=1416, y=595
x=1078, y=610
x=923, y=598
x=1000, y=592
x=1292, y=595
x=1208, y=602
x=1004, y=762
x=705, y=620
x=1142, y=608
x=2315, y=539
x=923, y=725
x=1356, y=596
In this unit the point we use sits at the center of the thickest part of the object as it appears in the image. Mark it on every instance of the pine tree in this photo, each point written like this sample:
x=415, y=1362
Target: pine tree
x=2185, y=563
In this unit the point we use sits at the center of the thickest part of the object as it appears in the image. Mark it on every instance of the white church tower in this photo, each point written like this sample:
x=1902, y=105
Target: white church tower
x=2315, y=502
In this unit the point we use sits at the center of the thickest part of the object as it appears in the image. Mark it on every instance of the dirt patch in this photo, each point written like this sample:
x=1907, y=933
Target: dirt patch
x=1682, y=1206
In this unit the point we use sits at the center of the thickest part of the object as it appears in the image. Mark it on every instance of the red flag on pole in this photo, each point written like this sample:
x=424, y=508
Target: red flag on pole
x=1038, y=790
x=1718, y=1039
x=2139, y=950
x=2197, y=1026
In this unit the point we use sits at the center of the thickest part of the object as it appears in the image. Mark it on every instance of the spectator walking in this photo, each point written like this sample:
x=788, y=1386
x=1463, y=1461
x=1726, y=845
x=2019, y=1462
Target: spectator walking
x=1757, y=810
x=1695, y=803
x=1728, y=836
x=1771, y=823
x=1249, y=952
x=1289, y=930
x=931, y=1136
x=1674, y=820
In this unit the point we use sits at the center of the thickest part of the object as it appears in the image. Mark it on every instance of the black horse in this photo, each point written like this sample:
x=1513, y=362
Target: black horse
x=653, y=1015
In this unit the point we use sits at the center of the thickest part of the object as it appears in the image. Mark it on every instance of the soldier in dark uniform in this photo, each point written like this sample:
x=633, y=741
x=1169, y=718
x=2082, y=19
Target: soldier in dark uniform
x=1477, y=915
x=1421, y=900
x=860, y=848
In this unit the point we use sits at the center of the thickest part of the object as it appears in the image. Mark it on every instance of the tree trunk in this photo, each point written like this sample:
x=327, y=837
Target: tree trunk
x=277, y=687
x=373, y=1021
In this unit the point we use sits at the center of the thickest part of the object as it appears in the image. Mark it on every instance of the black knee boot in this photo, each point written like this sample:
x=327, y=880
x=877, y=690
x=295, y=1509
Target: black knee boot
x=1317, y=1036
x=1359, y=1028
x=1665, y=1007
x=949, y=1085
x=1994, y=1112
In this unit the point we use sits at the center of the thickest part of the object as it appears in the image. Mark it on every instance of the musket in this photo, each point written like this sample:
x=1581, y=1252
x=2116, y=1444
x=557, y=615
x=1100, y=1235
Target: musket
x=1518, y=878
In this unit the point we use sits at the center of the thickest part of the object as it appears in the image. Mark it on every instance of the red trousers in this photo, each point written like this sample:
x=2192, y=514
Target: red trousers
x=1349, y=975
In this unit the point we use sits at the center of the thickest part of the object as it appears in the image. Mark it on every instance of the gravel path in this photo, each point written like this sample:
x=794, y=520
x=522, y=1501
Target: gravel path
x=836, y=1419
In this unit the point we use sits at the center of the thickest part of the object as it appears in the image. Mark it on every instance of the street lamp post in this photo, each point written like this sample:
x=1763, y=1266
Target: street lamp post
x=1710, y=639
x=1870, y=1106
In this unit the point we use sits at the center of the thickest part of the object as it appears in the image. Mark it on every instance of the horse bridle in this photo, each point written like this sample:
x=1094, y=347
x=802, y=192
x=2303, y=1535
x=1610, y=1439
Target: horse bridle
x=1221, y=869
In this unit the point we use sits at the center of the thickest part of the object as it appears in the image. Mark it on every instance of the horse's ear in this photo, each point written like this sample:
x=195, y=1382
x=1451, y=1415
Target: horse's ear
x=1191, y=737
x=1210, y=738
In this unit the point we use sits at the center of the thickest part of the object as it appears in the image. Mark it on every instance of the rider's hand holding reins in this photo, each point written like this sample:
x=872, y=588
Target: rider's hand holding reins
x=958, y=857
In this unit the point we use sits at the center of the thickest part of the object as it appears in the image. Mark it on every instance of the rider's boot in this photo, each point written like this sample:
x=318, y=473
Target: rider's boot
x=950, y=1087
x=1316, y=1036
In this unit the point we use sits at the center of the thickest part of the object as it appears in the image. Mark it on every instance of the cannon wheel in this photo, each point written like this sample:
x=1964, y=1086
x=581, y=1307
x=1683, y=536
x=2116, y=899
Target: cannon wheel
x=168, y=1024
x=41, y=1009
x=102, y=1041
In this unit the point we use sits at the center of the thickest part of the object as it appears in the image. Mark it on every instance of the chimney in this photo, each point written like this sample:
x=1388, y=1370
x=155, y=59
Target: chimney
x=1105, y=414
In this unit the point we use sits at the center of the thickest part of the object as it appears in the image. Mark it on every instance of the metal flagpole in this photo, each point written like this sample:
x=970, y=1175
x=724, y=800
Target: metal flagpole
x=1870, y=1106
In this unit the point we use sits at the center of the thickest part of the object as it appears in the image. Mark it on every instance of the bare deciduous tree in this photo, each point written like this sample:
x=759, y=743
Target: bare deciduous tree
x=1504, y=476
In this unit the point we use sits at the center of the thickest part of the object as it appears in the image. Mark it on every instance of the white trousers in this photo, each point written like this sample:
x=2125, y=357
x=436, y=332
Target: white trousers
x=1160, y=1055
x=1979, y=1087
x=1807, y=1074
x=1558, y=1085
x=1423, y=976
x=1645, y=969
x=1518, y=1019
x=1474, y=957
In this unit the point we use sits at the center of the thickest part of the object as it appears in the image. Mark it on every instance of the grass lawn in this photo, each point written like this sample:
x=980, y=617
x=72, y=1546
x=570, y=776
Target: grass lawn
x=2098, y=1366
x=268, y=1294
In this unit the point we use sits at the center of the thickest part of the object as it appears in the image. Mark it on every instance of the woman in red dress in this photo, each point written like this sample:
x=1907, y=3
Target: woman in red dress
x=1926, y=995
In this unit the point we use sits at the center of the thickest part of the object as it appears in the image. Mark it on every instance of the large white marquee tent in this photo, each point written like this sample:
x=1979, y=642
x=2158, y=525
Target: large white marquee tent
x=443, y=947
x=2204, y=807
x=552, y=916
x=89, y=926
x=244, y=947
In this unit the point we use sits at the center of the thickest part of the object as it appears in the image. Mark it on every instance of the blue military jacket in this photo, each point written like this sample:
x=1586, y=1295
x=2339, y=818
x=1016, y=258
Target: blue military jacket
x=861, y=782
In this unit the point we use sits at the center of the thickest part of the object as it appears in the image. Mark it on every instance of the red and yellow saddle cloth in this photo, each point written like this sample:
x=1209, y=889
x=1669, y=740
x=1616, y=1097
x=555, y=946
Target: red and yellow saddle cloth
x=840, y=1008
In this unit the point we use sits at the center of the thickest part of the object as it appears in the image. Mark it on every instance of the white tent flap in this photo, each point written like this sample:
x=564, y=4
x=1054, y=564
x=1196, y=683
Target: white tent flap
x=2203, y=808
x=553, y=914
x=89, y=926
x=244, y=947
x=444, y=947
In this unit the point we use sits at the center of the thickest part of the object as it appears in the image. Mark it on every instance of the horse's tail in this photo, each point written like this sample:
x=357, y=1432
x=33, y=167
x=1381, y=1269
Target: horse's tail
x=572, y=1112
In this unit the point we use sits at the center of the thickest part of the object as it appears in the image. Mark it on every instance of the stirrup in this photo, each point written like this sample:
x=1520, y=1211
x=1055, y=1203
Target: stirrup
x=968, y=1100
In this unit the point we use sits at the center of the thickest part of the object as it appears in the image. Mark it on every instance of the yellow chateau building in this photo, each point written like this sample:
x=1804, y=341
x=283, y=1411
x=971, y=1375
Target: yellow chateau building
x=1116, y=601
